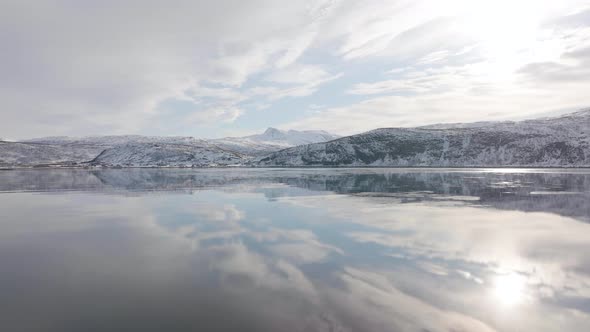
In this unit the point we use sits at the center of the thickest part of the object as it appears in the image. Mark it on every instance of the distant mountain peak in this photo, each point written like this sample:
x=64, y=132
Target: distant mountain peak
x=273, y=132
x=273, y=139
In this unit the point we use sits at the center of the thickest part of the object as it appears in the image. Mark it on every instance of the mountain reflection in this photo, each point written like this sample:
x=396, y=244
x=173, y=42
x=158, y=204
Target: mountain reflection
x=294, y=250
x=564, y=193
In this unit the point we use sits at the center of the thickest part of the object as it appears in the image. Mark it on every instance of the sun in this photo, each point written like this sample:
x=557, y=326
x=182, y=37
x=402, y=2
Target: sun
x=509, y=289
x=506, y=33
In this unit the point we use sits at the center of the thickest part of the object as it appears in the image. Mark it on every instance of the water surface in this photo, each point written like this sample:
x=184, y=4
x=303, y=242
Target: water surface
x=295, y=250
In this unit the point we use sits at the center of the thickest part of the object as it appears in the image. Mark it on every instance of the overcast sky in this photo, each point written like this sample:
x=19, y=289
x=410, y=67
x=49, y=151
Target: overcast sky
x=219, y=68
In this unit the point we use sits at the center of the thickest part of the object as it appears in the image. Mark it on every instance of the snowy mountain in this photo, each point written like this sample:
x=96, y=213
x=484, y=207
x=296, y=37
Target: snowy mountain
x=552, y=142
x=166, y=154
x=273, y=140
x=109, y=141
x=559, y=141
x=36, y=154
x=136, y=150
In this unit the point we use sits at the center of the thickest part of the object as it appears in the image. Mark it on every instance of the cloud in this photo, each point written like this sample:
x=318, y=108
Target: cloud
x=369, y=28
x=299, y=81
x=574, y=67
x=298, y=74
x=108, y=68
x=67, y=71
x=548, y=75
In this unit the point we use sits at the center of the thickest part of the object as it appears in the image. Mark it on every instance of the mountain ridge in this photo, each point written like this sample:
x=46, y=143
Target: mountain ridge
x=273, y=139
x=561, y=141
x=153, y=151
x=550, y=142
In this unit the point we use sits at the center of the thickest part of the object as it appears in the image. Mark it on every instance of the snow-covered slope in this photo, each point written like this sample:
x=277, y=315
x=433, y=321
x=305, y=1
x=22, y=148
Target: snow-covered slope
x=136, y=150
x=269, y=141
x=114, y=140
x=35, y=154
x=273, y=140
x=63, y=150
x=560, y=141
x=167, y=154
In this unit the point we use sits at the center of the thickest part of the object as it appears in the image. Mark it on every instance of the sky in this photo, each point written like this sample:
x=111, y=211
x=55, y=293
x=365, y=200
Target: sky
x=233, y=67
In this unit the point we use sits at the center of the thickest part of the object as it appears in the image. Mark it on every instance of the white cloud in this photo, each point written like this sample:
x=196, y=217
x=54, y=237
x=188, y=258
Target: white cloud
x=298, y=74
x=69, y=72
x=547, y=74
x=66, y=71
x=449, y=107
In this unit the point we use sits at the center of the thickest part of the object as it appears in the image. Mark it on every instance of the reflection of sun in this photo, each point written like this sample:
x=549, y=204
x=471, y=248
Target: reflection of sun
x=509, y=289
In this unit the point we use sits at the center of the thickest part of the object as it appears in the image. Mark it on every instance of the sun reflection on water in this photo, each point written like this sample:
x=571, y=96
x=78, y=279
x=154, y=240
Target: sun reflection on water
x=509, y=289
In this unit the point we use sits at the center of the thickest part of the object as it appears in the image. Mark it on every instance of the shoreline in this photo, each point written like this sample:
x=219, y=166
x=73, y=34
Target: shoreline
x=11, y=168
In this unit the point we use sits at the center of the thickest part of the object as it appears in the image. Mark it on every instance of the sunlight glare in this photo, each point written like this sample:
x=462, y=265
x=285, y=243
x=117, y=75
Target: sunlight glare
x=506, y=32
x=509, y=289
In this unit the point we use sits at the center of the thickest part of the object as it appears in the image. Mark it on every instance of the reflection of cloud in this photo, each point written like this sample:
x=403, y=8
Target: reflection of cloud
x=299, y=246
x=204, y=221
x=458, y=241
x=123, y=254
x=373, y=300
x=410, y=260
x=469, y=276
x=493, y=238
x=227, y=214
x=443, y=242
x=300, y=252
x=237, y=260
x=242, y=268
x=433, y=268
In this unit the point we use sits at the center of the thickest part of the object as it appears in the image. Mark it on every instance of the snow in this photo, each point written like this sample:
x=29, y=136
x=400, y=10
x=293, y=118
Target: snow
x=35, y=154
x=153, y=151
x=552, y=142
x=273, y=140
x=562, y=141
x=167, y=155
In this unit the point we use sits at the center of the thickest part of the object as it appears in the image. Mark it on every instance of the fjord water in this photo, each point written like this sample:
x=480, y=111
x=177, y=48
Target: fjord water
x=295, y=250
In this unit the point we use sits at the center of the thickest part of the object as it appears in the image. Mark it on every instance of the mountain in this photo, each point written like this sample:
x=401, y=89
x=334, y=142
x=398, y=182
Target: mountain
x=109, y=141
x=550, y=142
x=166, y=154
x=36, y=154
x=558, y=141
x=273, y=140
x=136, y=150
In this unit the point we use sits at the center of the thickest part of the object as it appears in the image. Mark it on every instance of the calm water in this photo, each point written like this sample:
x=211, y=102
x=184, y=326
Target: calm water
x=295, y=250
